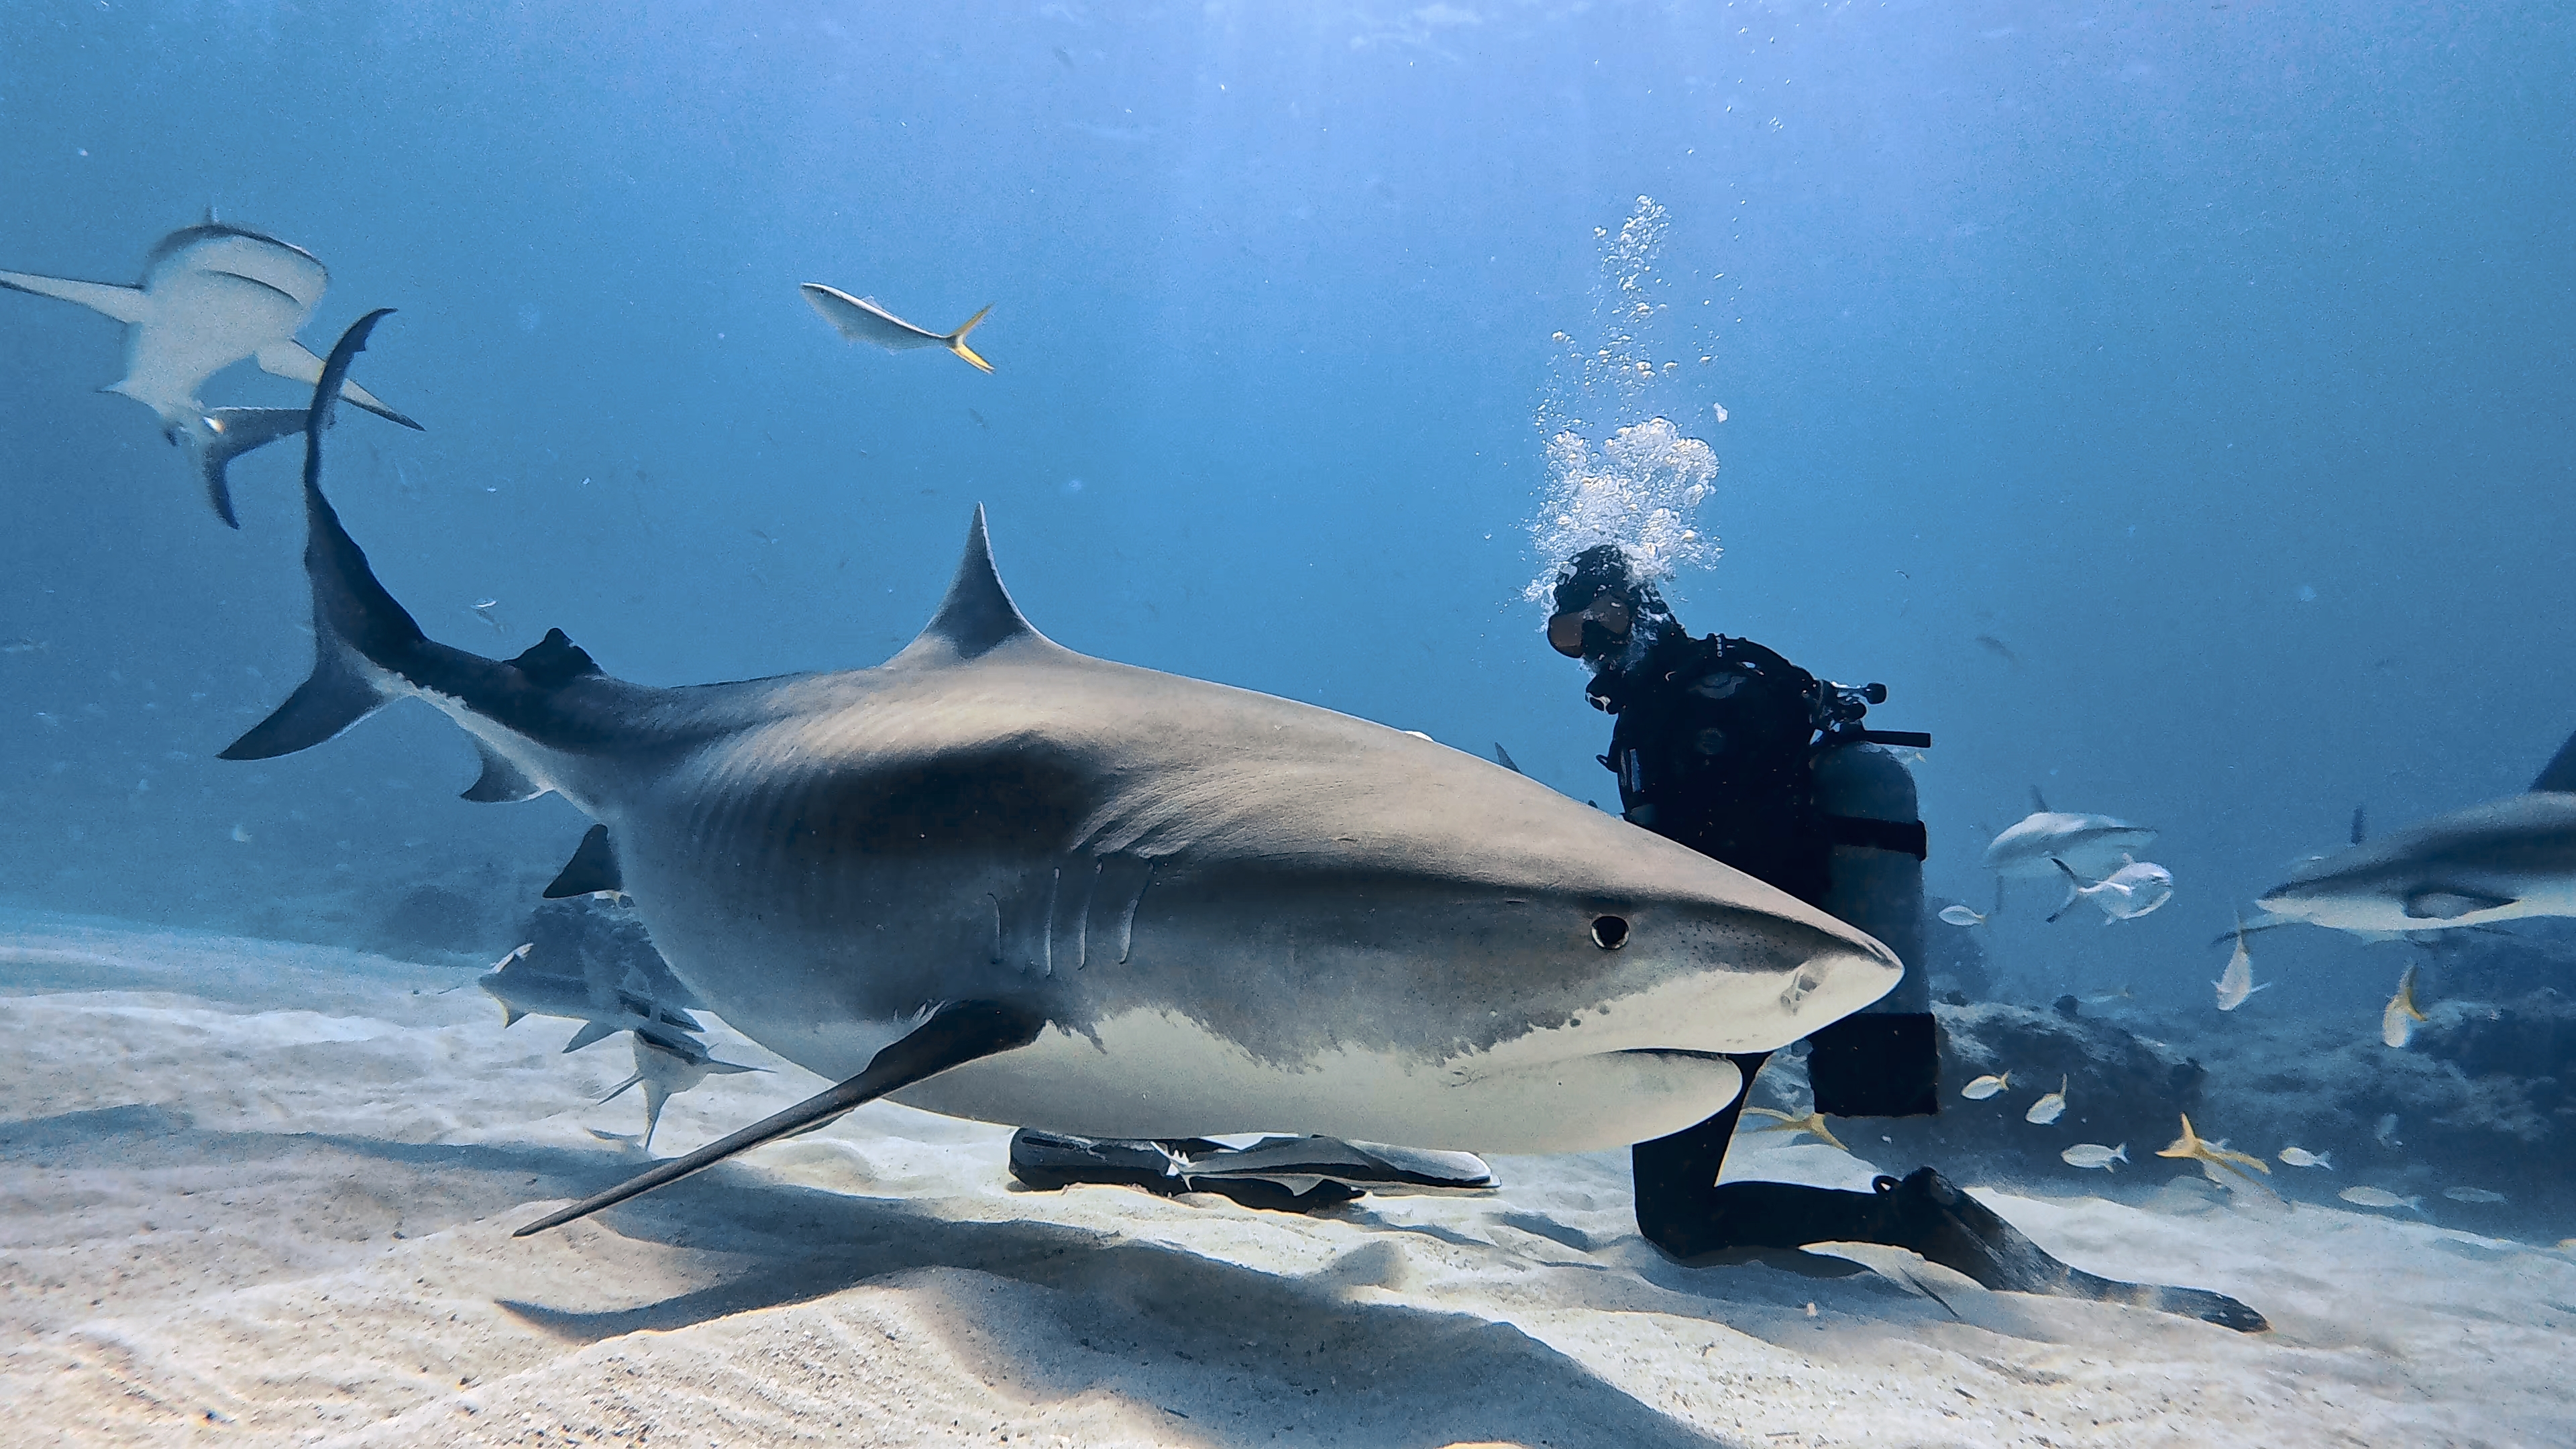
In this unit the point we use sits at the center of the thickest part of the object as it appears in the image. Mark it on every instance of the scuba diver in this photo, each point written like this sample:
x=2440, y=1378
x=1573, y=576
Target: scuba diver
x=1724, y=746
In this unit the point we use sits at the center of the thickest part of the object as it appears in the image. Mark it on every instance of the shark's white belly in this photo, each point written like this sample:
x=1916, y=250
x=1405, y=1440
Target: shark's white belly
x=1159, y=1075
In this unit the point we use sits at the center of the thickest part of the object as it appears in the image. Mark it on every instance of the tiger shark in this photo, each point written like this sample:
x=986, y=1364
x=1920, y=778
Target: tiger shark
x=212, y=295
x=2498, y=861
x=999, y=879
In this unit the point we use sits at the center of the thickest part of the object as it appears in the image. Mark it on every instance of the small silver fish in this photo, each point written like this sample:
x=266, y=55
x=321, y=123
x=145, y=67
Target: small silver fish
x=240, y=836
x=2380, y=1197
x=2049, y=1108
x=2237, y=982
x=2386, y=1131
x=2302, y=1157
x=2103, y=998
x=2472, y=1194
x=1961, y=916
x=24, y=646
x=2397, y=1023
x=2094, y=1154
x=1986, y=1086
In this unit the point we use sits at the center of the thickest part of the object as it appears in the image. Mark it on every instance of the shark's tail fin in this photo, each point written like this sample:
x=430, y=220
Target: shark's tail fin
x=356, y=624
x=957, y=342
x=2074, y=888
x=217, y=437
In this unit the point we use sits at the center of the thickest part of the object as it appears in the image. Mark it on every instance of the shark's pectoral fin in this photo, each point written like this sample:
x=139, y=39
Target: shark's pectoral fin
x=592, y=1031
x=125, y=304
x=2444, y=904
x=501, y=783
x=295, y=362
x=225, y=434
x=593, y=867
x=954, y=1034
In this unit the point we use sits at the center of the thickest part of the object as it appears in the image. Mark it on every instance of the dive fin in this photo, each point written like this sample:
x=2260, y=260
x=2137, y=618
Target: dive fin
x=501, y=783
x=957, y=341
x=125, y=304
x=593, y=867
x=593, y=1031
x=295, y=362
x=223, y=434
x=2560, y=775
x=2074, y=883
x=354, y=619
x=954, y=1034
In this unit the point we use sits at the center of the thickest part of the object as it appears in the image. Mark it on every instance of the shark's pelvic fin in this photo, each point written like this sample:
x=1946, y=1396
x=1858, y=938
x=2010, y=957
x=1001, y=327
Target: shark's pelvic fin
x=2560, y=775
x=954, y=1034
x=295, y=362
x=976, y=617
x=593, y=867
x=592, y=1031
x=501, y=783
x=224, y=434
x=957, y=341
x=125, y=304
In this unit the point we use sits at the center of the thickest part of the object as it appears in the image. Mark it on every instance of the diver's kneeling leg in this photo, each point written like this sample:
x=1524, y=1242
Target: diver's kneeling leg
x=1930, y=1215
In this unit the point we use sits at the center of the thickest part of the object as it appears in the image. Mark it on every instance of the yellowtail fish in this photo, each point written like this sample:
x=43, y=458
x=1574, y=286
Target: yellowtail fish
x=2094, y=1154
x=1961, y=916
x=2049, y=1108
x=2397, y=1023
x=2214, y=1155
x=1986, y=1086
x=2380, y=1197
x=2472, y=1194
x=2302, y=1157
x=1813, y=1124
x=2237, y=982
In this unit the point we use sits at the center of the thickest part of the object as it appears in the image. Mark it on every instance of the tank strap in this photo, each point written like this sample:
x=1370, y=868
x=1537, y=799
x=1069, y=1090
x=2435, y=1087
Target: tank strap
x=1904, y=837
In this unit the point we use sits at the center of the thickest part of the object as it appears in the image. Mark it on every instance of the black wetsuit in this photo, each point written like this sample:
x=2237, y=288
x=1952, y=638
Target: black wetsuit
x=1714, y=748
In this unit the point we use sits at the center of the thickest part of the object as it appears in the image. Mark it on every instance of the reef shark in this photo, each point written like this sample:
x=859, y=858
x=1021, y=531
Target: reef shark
x=211, y=296
x=2093, y=845
x=2499, y=861
x=998, y=879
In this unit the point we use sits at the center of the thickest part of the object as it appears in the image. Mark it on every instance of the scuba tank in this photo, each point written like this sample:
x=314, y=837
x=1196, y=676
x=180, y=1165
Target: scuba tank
x=1883, y=1060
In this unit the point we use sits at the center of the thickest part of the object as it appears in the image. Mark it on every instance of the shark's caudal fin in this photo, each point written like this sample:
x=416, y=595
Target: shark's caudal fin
x=2560, y=775
x=957, y=341
x=223, y=434
x=2074, y=886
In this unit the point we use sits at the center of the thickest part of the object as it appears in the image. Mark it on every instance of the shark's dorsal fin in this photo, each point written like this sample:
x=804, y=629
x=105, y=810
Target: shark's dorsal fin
x=2038, y=801
x=2560, y=776
x=976, y=618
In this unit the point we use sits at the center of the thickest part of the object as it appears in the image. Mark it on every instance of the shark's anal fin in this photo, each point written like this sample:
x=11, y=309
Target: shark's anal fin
x=224, y=434
x=2559, y=777
x=593, y=867
x=501, y=783
x=955, y=1034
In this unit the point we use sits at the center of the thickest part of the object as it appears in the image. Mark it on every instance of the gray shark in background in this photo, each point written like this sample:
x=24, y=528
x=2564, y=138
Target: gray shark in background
x=2500, y=861
x=2093, y=846
x=528, y=988
x=997, y=879
x=211, y=296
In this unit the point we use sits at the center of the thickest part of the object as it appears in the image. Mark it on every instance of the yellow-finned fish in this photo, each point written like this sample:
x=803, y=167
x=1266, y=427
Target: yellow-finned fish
x=864, y=319
x=2214, y=1155
x=1986, y=1086
x=2397, y=1023
x=2049, y=1108
x=1813, y=1124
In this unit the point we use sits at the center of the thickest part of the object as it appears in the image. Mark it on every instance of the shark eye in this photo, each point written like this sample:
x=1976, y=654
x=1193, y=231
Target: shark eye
x=1609, y=932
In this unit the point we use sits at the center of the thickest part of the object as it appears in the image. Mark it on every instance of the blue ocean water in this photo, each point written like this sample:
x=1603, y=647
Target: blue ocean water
x=2211, y=361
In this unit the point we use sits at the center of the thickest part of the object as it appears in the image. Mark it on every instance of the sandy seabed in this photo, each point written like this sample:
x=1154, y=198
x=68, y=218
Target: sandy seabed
x=262, y=1193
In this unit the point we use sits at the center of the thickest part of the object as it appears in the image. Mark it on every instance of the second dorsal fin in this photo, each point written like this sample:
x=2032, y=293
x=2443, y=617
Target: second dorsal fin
x=976, y=617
